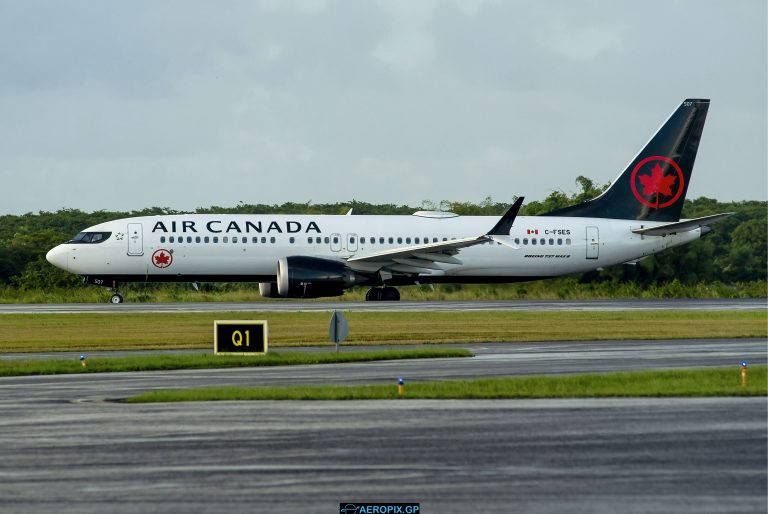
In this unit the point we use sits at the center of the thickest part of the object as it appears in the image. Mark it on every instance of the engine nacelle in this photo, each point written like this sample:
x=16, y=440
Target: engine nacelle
x=268, y=290
x=313, y=277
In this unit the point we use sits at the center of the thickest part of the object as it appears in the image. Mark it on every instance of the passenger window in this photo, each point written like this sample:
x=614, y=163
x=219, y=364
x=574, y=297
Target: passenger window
x=351, y=240
x=263, y=239
x=517, y=240
x=408, y=240
x=445, y=239
x=309, y=240
x=189, y=239
x=335, y=240
x=568, y=241
x=434, y=240
x=234, y=239
x=162, y=239
x=197, y=239
x=525, y=240
x=327, y=239
x=206, y=239
x=171, y=239
x=399, y=240
x=416, y=240
x=291, y=239
x=551, y=241
x=381, y=240
x=559, y=240
x=272, y=239
x=533, y=241
x=215, y=239
x=391, y=240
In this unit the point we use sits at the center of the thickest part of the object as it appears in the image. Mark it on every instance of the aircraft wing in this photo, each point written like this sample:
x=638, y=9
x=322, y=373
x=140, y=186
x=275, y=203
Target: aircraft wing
x=429, y=257
x=682, y=226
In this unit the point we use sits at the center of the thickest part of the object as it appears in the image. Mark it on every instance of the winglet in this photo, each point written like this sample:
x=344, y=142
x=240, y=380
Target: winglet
x=504, y=225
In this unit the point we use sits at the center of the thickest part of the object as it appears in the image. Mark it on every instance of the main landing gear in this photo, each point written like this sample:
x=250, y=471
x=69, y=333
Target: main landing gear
x=382, y=294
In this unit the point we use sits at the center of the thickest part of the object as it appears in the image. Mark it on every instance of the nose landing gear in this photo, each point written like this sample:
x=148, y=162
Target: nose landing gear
x=116, y=296
x=108, y=283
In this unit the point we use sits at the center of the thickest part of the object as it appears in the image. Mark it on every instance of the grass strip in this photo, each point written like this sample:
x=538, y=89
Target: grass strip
x=209, y=361
x=666, y=383
x=134, y=331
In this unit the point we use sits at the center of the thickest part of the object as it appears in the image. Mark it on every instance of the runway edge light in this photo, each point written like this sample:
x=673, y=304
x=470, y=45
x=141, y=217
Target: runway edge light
x=743, y=373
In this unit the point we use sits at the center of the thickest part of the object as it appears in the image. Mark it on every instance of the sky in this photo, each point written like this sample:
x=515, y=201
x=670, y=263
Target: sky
x=123, y=105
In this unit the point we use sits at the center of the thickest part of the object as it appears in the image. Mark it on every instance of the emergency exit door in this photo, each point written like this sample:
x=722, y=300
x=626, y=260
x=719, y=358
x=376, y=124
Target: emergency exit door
x=135, y=239
x=593, y=243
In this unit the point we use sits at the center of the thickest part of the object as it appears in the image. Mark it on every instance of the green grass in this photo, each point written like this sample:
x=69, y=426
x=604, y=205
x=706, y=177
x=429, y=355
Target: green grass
x=208, y=361
x=672, y=383
x=564, y=288
x=110, y=331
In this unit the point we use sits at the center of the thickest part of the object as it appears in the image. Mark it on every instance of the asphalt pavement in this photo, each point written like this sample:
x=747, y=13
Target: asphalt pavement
x=67, y=447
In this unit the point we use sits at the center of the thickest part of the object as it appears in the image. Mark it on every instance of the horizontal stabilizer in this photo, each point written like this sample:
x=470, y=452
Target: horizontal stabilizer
x=681, y=226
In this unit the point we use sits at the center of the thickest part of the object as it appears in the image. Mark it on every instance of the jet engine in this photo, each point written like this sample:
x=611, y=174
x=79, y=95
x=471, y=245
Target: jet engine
x=313, y=277
x=268, y=290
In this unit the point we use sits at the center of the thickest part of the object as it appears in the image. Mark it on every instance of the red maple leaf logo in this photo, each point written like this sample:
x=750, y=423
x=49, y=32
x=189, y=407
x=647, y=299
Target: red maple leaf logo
x=163, y=258
x=670, y=186
x=656, y=182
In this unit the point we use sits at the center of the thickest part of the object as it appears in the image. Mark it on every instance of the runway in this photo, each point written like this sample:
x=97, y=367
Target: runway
x=760, y=304
x=68, y=450
x=695, y=455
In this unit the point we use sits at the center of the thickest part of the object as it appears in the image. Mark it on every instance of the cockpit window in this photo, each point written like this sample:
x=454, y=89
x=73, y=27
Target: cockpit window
x=90, y=238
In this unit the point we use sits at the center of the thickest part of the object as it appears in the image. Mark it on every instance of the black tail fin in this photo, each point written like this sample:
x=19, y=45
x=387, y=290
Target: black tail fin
x=654, y=184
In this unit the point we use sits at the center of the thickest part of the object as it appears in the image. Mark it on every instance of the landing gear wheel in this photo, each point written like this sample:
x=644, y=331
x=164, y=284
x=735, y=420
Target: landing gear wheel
x=116, y=298
x=390, y=294
x=382, y=294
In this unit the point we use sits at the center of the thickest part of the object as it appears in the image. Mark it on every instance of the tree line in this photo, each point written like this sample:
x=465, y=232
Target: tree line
x=733, y=252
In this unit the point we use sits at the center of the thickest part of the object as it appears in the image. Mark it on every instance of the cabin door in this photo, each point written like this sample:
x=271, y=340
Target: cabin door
x=135, y=239
x=593, y=243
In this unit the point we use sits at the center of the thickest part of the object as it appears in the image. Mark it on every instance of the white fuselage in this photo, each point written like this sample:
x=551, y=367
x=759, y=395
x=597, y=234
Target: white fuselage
x=231, y=247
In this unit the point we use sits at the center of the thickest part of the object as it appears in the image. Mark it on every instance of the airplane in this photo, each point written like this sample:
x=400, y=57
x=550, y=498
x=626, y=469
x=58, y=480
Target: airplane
x=312, y=256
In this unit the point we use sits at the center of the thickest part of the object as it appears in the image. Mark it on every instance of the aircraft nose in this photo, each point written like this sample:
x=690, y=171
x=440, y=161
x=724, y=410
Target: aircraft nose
x=58, y=257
